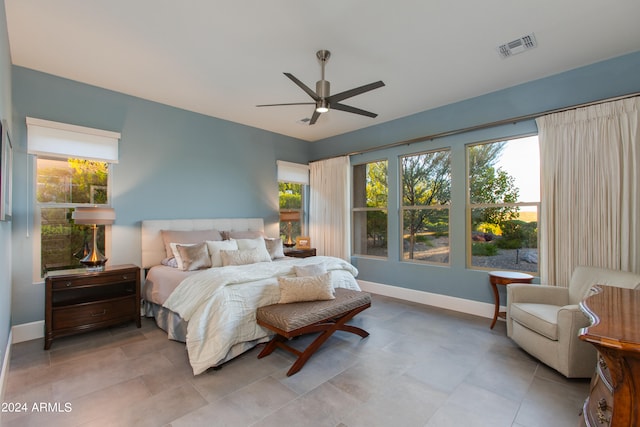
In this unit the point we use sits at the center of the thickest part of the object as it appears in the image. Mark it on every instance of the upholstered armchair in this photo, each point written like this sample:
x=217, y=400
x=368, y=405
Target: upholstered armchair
x=546, y=320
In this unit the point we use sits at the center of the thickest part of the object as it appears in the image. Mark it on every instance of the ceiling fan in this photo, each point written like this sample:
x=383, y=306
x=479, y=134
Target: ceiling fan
x=322, y=98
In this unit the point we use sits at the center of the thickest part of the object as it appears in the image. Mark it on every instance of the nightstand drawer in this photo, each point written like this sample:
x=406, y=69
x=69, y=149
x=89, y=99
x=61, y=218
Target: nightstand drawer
x=66, y=283
x=91, y=313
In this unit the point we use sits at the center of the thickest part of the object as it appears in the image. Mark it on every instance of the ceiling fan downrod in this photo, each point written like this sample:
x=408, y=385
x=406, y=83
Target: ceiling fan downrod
x=322, y=86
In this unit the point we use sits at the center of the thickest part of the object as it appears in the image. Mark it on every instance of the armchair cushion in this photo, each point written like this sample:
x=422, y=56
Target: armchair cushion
x=540, y=318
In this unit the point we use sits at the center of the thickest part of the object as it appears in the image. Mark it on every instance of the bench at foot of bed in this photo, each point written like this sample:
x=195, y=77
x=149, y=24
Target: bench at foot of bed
x=299, y=318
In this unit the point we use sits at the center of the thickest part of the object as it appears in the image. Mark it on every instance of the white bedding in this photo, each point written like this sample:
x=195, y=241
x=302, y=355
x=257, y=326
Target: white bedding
x=220, y=303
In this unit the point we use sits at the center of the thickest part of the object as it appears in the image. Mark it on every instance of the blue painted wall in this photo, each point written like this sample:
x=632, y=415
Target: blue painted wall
x=5, y=227
x=173, y=164
x=618, y=76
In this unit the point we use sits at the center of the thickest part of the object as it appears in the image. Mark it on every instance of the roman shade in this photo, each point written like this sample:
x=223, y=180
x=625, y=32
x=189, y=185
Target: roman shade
x=47, y=138
x=293, y=172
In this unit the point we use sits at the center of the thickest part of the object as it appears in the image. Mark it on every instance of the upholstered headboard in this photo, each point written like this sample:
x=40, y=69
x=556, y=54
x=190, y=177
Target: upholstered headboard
x=153, y=250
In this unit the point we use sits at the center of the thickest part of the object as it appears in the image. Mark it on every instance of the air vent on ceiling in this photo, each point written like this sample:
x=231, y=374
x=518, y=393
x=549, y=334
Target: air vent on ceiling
x=517, y=46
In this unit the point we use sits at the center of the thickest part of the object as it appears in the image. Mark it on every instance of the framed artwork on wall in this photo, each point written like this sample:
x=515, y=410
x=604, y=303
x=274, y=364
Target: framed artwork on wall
x=6, y=172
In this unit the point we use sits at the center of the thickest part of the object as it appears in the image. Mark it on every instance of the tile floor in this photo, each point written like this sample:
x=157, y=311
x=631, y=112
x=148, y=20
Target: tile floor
x=421, y=366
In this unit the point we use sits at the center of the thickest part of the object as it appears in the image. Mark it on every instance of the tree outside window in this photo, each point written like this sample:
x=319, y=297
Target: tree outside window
x=504, y=199
x=426, y=194
x=370, y=194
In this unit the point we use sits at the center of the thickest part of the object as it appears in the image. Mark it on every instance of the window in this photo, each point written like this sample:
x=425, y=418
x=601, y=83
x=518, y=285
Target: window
x=503, y=204
x=370, y=209
x=293, y=183
x=291, y=196
x=62, y=185
x=73, y=168
x=426, y=194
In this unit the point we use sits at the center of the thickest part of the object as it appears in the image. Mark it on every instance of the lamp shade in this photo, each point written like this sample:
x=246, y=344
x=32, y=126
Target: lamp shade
x=94, y=215
x=290, y=216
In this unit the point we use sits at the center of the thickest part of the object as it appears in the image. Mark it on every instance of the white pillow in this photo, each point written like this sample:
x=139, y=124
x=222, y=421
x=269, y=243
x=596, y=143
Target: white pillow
x=216, y=246
x=241, y=257
x=308, y=288
x=258, y=244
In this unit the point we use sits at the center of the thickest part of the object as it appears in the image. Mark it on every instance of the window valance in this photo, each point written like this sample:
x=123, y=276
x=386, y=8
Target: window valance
x=293, y=172
x=47, y=138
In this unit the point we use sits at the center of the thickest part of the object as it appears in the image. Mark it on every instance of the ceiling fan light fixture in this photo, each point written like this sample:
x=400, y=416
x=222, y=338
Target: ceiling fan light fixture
x=322, y=106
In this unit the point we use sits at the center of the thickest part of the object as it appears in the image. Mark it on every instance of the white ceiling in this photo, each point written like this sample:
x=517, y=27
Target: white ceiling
x=223, y=57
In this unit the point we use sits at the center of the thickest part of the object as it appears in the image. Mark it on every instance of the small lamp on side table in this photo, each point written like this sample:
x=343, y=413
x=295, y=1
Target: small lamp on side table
x=288, y=217
x=94, y=216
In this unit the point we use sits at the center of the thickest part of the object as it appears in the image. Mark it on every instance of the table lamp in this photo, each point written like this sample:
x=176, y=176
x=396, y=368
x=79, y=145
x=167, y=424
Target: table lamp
x=288, y=217
x=94, y=216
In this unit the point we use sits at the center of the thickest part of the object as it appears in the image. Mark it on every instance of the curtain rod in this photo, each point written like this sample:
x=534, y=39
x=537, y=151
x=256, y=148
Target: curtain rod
x=512, y=120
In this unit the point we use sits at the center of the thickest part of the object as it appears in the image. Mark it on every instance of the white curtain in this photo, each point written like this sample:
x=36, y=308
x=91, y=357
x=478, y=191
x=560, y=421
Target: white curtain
x=590, y=207
x=329, y=187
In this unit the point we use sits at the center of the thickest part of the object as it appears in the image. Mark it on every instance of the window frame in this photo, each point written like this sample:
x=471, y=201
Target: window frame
x=37, y=215
x=356, y=210
x=471, y=206
x=303, y=211
x=402, y=208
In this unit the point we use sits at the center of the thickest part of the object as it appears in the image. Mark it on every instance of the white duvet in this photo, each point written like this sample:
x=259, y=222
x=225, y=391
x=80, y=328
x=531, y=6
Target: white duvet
x=220, y=304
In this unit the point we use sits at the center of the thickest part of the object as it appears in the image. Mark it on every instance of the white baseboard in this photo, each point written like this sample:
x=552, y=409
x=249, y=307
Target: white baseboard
x=462, y=305
x=35, y=330
x=4, y=375
x=28, y=331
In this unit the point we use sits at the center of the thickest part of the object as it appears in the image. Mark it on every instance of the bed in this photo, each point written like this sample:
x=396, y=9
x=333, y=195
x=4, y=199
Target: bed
x=208, y=298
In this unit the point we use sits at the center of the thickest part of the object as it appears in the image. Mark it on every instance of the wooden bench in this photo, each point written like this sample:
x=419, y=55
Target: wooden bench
x=299, y=318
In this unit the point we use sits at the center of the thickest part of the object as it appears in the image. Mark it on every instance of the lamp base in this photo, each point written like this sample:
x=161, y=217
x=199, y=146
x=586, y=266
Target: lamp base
x=288, y=244
x=94, y=261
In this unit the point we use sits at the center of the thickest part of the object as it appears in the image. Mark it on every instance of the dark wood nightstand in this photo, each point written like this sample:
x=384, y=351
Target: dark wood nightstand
x=300, y=253
x=79, y=300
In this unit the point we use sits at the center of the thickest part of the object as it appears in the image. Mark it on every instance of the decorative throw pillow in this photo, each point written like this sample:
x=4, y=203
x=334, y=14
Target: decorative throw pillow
x=309, y=270
x=216, y=246
x=241, y=257
x=274, y=247
x=170, y=262
x=187, y=237
x=194, y=257
x=308, y=288
x=258, y=244
x=176, y=253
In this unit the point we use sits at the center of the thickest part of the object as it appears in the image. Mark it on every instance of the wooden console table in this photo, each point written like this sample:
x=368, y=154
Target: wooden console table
x=614, y=398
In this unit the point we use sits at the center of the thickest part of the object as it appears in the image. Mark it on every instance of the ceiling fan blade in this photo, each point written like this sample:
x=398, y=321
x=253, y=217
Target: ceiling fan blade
x=290, y=103
x=350, y=109
x=353, y=92
x=303, y=86
x=314, y=117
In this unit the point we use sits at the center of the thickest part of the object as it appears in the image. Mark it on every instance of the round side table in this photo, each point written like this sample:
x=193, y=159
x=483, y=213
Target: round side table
x=504, y=278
